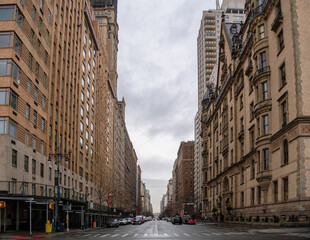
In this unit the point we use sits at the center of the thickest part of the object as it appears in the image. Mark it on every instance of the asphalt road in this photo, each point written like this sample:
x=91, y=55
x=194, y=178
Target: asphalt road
x=166, y=230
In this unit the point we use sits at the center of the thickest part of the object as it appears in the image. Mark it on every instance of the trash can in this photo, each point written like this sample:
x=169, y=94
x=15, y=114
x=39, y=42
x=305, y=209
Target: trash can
x=94, y=224
x=48, y=227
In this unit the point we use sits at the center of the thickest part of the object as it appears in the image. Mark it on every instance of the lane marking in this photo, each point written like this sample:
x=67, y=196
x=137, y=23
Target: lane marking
x=97, y=235
x=206, y=234
x=135, y=235
x=87, y=235
x=217, y=234
x=177, y=235
x=145, y=234
x=115, y=235
x=186, y=234
x=125, y=235
x=105, y=235
x=166, y=235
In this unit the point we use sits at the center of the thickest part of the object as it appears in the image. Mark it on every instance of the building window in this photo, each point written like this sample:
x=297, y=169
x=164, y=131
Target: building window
x=265, y=90
x=81, y=127
x=14, y=158
x=241, y=102
x=259, y=195
x=242, y=199
x=42, y=124
x=252, y=196
x=7, y=12
x=242, y=175
x=251, y=110
x=275, y=191
x=285, y=152
x=258, y=127
x=81, y=142
x=263, y=61
x=281, y=40
x=27, y=137
x=252, y=169
x=284, y=113
x=81, y=171
x=9, y=68
x=35, y=118
x=265, y=123
x=261, y=31
x=266, y=158
x=36, y=93
x=252, y=136
x=50, y=173
x=41, y=170
x=34, y=166
x=285, y=189
x=33, y=142
x=6, y=39
x=13, y=129
x=82, y=112
x=26, y=163
x=282, y=75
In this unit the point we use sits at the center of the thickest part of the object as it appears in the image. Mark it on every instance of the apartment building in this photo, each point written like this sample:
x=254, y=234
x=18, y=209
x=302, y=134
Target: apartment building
x=256, y=119
x=183, y=180
x=55, y=78
x=207, y=59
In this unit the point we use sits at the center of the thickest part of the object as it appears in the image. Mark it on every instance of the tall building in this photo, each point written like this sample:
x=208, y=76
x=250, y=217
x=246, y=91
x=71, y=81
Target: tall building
x=183, y=180
x=51, y=73
x=256, y=119
x=207, y=58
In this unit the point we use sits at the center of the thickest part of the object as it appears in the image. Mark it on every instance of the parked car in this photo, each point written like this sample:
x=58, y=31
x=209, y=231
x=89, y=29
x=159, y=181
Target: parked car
x=123, y=221
x=137, y=220
x=168, y=219
x=191, y=221
x=177, y=220
x=129, y=220
x=112, y=223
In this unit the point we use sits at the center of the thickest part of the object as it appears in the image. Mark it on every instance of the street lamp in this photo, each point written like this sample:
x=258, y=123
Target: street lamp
x=58, y=158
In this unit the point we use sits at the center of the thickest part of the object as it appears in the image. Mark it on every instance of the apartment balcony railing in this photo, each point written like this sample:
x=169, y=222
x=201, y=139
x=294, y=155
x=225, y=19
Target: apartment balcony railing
x=260, y=71
x=277, y=22
x=37, y=190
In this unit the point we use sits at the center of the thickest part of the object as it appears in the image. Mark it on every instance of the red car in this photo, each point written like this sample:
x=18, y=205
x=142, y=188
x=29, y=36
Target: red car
x=191, y=221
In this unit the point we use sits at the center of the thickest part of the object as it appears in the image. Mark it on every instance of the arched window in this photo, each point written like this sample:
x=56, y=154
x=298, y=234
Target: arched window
x=285, y=151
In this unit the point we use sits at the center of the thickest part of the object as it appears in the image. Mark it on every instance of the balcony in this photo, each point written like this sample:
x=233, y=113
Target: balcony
x=277, y=22
x=264, y=178
x=262, y=107
x=204, y=153
x=260, y=73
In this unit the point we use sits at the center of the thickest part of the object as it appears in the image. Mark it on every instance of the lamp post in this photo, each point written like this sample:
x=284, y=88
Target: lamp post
x=58, y=158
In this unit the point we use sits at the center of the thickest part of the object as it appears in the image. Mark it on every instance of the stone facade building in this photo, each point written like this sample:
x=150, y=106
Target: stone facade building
x=207, y=59
x=183, y=180
x=255, y=124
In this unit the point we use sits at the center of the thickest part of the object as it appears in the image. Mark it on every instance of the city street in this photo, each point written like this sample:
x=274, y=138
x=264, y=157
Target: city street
x=166, y=230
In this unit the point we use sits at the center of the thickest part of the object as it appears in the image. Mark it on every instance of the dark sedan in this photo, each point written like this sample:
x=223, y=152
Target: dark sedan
x=113, y=223
x=177, y=220
x=137, y=220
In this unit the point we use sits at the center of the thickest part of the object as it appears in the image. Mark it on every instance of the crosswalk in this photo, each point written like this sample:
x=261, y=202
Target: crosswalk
x=144, y=235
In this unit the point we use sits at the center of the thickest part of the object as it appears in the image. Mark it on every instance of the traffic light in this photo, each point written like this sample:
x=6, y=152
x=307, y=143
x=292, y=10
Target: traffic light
x=2, y=204
x=51, y=206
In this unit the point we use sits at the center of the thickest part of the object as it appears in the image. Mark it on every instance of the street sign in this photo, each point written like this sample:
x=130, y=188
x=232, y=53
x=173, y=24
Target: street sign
x=2, y=204
x=67, y=207
x=91, y=205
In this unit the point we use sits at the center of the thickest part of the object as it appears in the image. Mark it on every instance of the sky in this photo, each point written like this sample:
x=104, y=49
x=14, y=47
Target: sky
x=157, y=76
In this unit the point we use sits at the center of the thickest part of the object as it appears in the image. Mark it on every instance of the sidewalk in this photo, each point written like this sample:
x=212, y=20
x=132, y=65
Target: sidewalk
x=39, y=234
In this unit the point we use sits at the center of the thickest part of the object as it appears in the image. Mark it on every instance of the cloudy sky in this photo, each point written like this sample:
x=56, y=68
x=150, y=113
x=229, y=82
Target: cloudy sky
x=157, y=70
